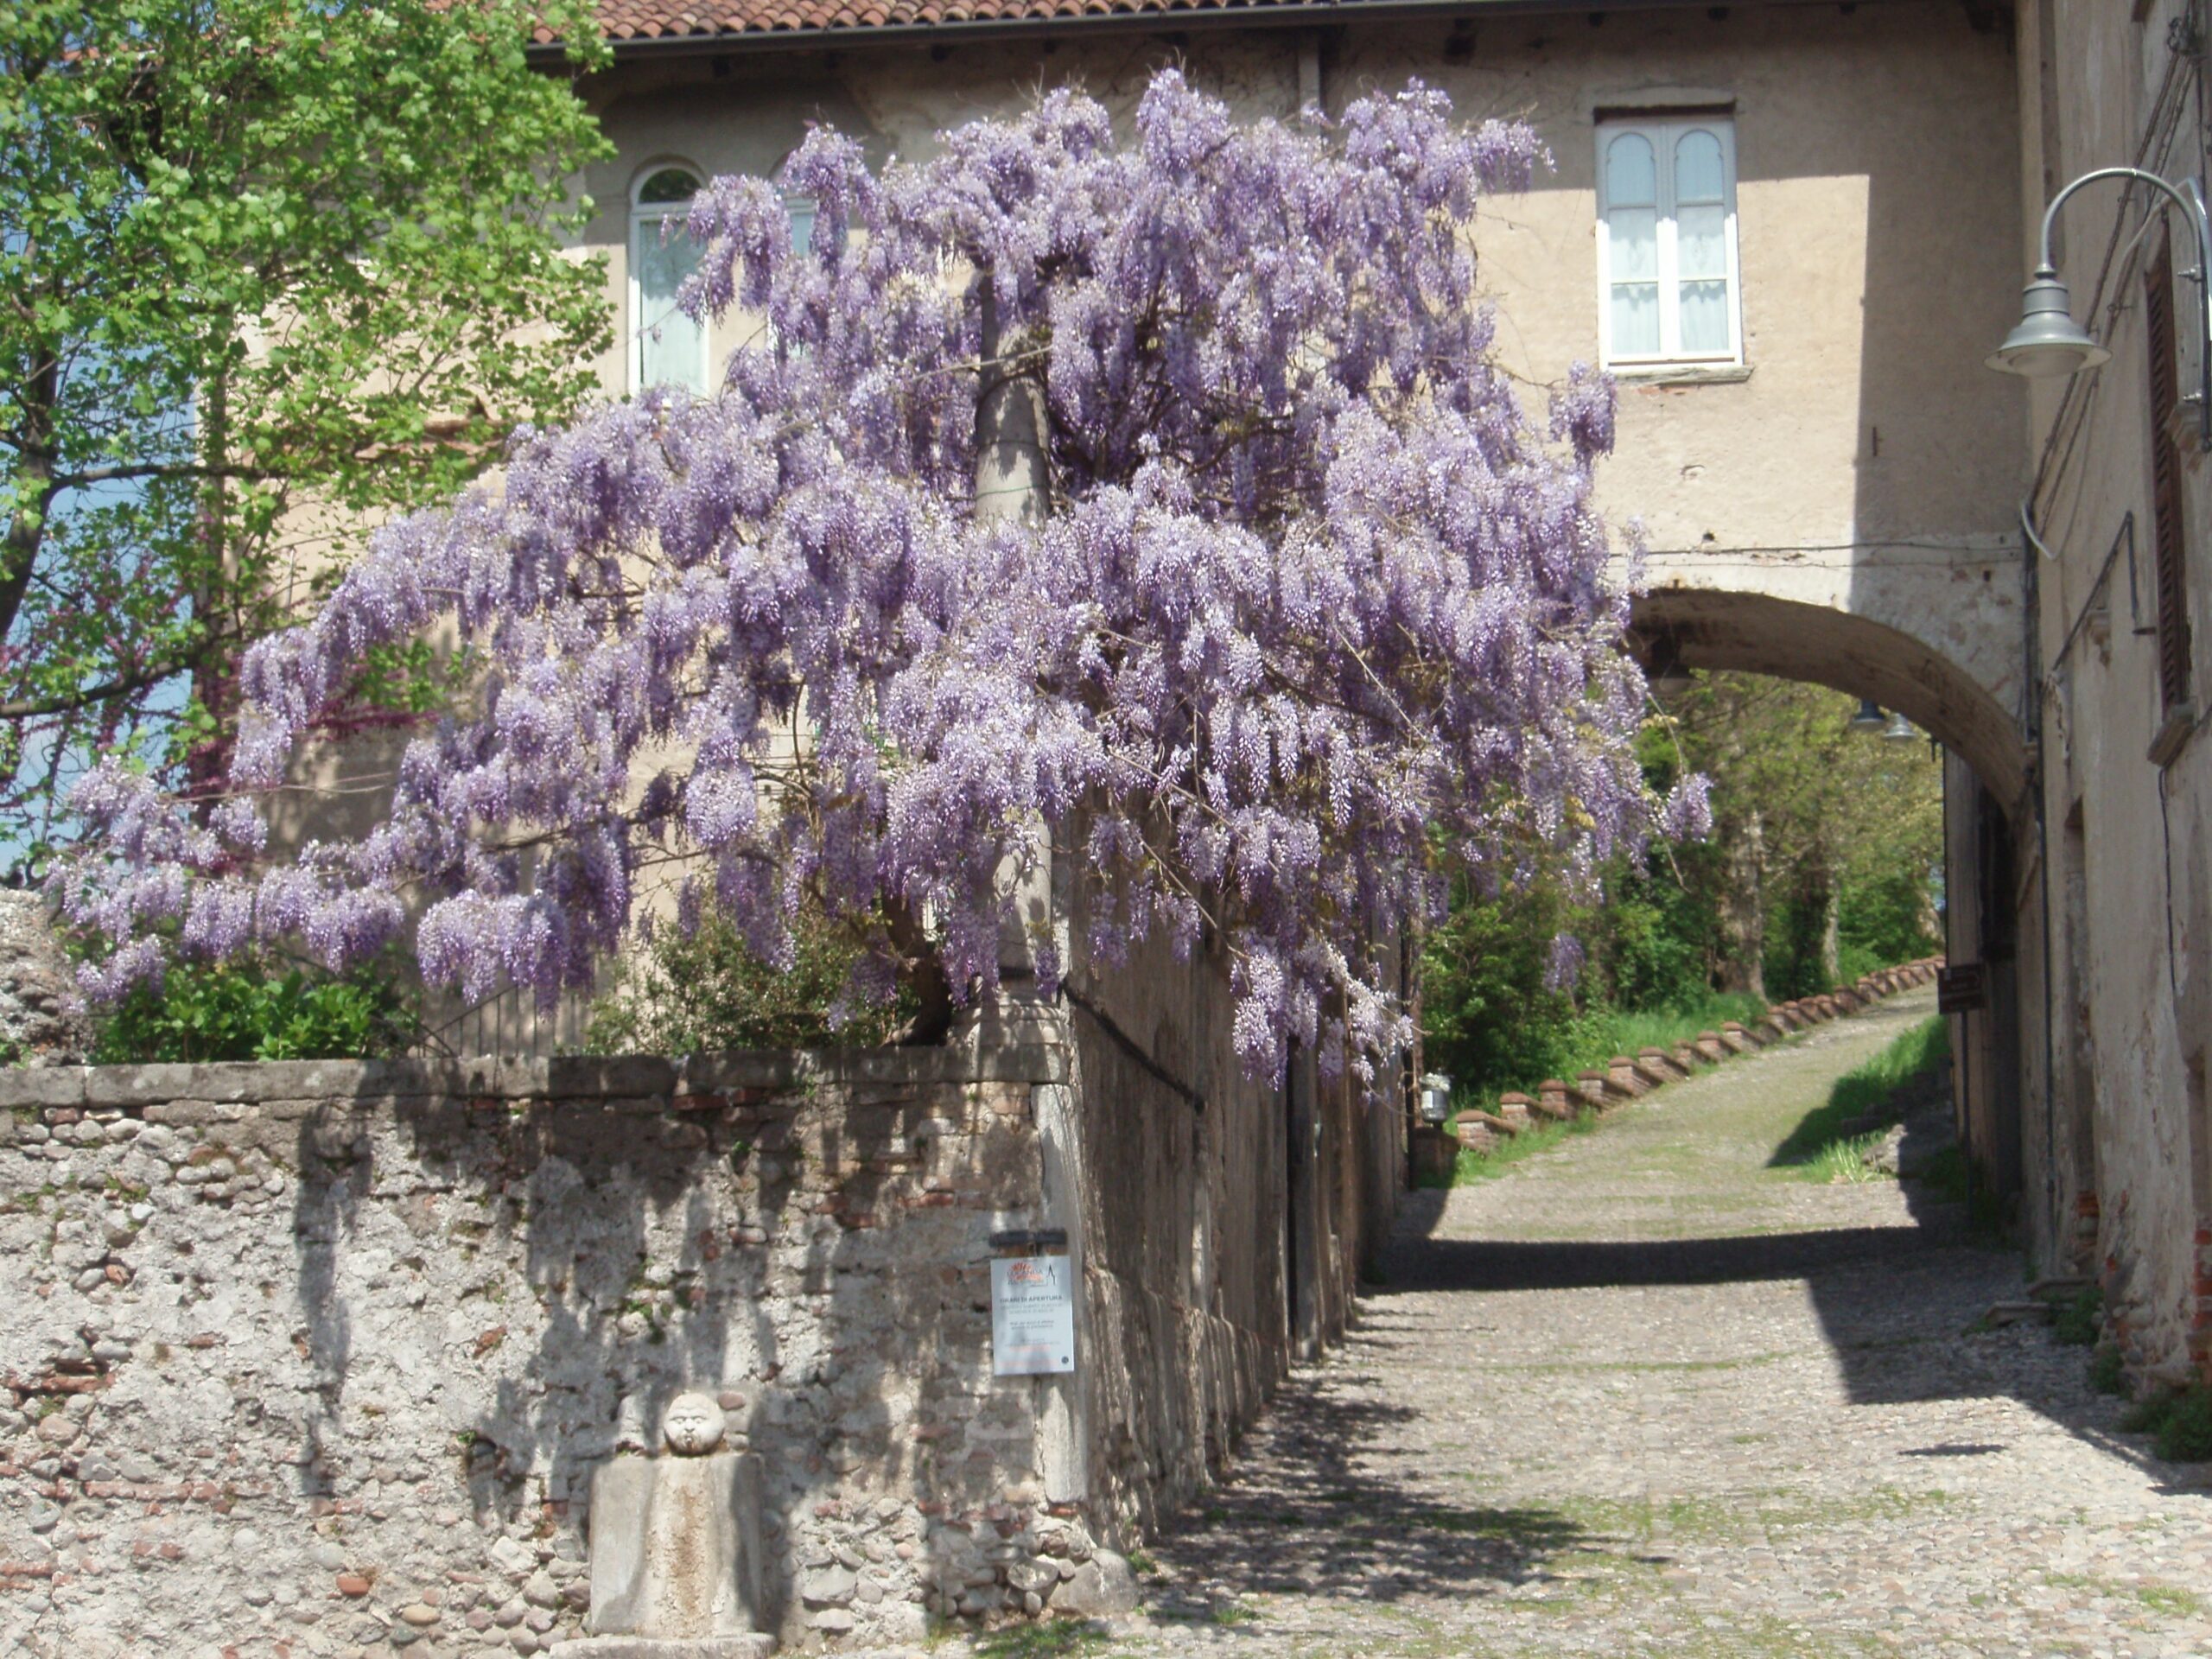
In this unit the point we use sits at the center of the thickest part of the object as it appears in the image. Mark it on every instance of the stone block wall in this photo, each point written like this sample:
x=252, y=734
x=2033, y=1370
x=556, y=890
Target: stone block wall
x=318, y=1358
x=1224, y=1219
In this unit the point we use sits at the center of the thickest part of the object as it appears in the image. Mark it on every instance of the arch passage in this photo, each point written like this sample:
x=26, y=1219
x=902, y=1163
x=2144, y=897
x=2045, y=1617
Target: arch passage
x=1795, y=640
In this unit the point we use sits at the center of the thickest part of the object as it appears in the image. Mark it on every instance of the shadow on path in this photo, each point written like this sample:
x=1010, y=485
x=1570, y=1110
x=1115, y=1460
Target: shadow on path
x=1311, y=1513
x=1449, y=1264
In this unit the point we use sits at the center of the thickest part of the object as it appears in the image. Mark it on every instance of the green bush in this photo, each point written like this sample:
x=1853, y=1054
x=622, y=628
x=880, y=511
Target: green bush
x=1791, y=960
x=2107, y=1370
x=2079, y=1322
x=1654, y=943
x=1490, y=1020
x=2183, y=1433
x=258, y=1010
x=1883, y=915
x=2148, y=1415
x=707, y=992
x=1491, y=1023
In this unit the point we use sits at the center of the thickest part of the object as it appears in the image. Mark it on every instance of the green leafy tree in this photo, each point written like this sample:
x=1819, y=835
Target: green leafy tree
x=1821, y=866
x=1824, y=837
x=270, y=270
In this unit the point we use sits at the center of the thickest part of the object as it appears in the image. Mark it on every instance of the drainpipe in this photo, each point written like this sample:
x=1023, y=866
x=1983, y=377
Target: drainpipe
x=2037, y=735
x=1961, y=1083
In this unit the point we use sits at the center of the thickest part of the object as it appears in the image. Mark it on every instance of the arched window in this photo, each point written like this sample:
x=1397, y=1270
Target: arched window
x=1667, y=265
x=666, y=347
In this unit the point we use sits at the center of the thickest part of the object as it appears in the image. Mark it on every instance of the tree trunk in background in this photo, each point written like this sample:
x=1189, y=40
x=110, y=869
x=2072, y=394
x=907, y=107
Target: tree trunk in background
x=1743, y=907
x=1831, y=914
x=214, y=668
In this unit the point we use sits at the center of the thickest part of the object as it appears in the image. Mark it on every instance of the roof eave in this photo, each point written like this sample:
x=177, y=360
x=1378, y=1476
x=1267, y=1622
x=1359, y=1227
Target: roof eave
x=1289, y=14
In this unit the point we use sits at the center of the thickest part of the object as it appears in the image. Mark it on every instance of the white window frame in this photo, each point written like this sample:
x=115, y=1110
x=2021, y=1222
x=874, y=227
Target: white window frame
x=650, y=219
x=1663, y=133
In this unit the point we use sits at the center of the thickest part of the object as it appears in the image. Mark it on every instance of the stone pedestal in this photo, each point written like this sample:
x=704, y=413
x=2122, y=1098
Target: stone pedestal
x=675, y=1549
x=1435, y=1155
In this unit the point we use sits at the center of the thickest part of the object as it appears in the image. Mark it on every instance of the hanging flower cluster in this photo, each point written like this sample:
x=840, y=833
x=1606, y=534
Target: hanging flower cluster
x=1314, y=604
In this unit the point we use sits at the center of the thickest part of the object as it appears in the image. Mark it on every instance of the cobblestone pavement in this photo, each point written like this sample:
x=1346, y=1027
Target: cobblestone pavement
x=1645, y=1395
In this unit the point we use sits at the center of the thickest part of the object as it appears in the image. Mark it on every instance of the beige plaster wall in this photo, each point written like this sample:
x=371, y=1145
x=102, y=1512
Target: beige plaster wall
x=1861, y=462
x=1874, y=229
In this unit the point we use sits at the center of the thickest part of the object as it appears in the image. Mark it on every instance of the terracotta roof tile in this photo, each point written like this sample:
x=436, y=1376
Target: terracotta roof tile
x=655, y=20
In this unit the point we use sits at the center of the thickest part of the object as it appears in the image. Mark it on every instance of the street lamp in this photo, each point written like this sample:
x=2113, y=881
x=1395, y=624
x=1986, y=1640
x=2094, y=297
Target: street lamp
x=2049, y=342
x=1900, y=730
x=1868, y=719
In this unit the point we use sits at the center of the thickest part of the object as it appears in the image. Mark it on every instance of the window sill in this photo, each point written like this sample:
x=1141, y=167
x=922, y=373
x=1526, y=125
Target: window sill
x=1682, y=374
x=2173, y=735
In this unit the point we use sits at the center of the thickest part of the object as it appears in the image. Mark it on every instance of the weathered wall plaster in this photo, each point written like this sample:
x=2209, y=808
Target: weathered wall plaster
x=2119, y=1148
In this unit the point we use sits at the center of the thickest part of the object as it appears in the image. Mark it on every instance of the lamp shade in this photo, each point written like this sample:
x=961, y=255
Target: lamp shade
x=2048, y=341
x=1900, y=730
x=1868, y=719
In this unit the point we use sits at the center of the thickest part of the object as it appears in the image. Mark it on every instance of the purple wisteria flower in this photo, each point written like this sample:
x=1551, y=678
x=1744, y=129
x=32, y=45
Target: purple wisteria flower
x=1315, y=609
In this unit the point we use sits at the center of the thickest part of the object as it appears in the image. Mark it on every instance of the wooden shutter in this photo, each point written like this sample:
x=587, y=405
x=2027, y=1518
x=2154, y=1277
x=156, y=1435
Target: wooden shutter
x=2167, y=539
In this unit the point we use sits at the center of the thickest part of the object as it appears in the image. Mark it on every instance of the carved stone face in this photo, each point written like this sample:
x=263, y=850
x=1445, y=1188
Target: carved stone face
x=693, y=1425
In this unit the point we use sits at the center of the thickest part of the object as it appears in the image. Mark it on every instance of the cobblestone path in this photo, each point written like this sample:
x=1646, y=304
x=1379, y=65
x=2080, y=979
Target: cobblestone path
x=1645, y=1395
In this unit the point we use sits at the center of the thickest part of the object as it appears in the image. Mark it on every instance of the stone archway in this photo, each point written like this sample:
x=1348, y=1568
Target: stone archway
x=1939, y=635
x=1935, y=635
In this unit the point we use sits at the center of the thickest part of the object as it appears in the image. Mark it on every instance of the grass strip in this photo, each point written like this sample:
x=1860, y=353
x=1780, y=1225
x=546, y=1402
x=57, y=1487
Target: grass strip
x=1472, y=1166
x=1828, y=1142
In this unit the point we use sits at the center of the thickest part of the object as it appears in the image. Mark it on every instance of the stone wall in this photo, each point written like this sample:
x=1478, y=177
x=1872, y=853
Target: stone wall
x=38, y=1024
x=1222, y=1221
x=319, y=1358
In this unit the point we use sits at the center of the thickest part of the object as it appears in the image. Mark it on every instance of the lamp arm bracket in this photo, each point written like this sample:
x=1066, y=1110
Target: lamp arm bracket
x=2188, y=196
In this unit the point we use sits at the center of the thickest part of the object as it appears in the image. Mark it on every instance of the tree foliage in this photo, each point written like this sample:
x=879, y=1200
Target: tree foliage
x=268, y=271
x=702, y=990
x=1848, y=833
x=1849, y=825
x=1315, y=605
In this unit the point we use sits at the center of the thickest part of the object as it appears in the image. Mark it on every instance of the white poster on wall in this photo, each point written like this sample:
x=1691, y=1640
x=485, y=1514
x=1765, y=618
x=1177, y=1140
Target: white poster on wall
x=1032, y=1316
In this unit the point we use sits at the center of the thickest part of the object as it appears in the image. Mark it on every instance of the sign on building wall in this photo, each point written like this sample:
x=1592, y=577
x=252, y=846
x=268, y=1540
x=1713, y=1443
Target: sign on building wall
x=1960, y=988
x=1032, y=1316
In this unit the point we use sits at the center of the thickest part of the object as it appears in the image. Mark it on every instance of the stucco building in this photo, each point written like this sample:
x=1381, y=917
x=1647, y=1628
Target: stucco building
x=1794, y=232
x=2115, y=1007
x=1791, y=230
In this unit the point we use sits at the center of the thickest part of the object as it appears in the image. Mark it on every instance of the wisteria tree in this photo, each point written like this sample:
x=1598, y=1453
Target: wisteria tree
x=1311, y=605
